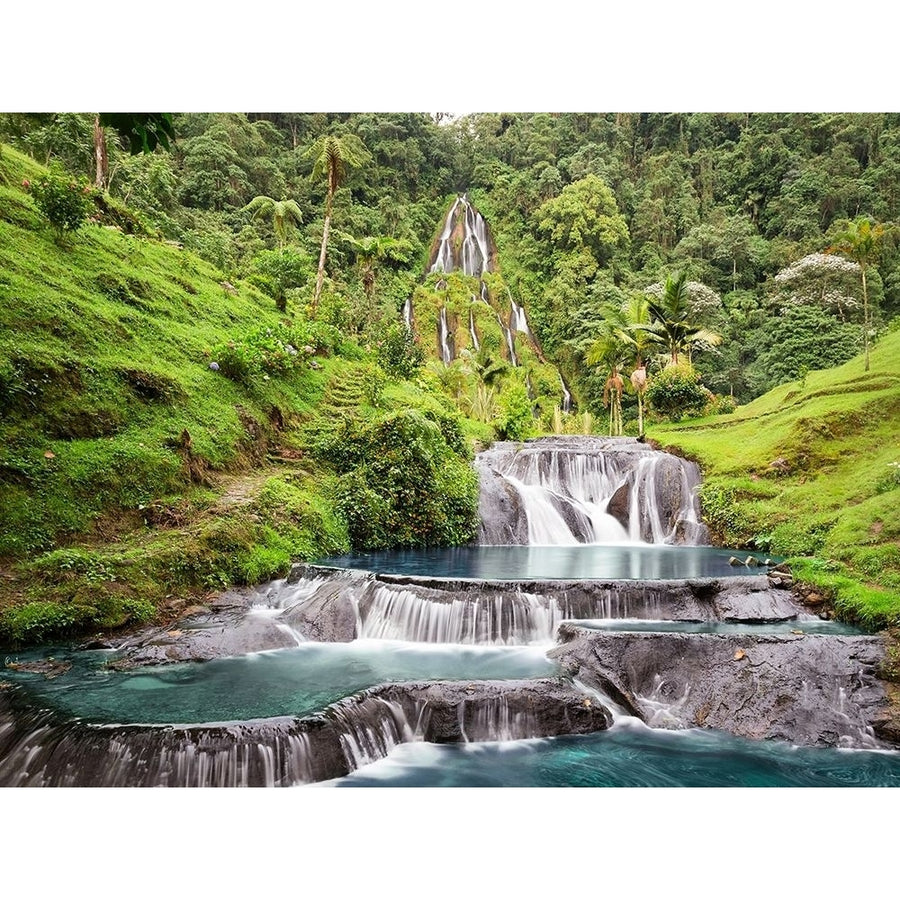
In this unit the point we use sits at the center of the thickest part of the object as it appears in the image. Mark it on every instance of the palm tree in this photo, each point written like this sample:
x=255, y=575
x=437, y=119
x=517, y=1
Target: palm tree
x=285, y=214
x=372, y=252
x=672, y=323
x=334, y=157
x=610, y=352
x=635, y=316
x=861, y=242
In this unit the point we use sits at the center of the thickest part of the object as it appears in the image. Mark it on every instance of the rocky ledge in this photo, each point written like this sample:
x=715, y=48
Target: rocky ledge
x=806, y=689
x=39, y=748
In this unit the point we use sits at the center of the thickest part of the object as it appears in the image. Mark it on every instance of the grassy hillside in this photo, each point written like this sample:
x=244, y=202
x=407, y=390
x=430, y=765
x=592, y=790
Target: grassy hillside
x=164, y=433
x=811, y=470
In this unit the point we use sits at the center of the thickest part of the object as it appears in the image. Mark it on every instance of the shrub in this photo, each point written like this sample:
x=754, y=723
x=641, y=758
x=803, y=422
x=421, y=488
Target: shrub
x=402, y=484
x=516, y=416
x=721, y=405
x=399, y=354
x=676, y=392
x=261, y=353
x=62, y=200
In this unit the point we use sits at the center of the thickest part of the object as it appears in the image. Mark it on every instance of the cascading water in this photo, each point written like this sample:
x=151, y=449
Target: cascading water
x=519, y=321
x=444, y=338
x=586, y=491
x=464, y=243
x=510, y=340
x=407, y=313
x=476, y=344
x=567, y=397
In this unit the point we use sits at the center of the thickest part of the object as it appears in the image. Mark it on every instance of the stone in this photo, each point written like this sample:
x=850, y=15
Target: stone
x=807, y=689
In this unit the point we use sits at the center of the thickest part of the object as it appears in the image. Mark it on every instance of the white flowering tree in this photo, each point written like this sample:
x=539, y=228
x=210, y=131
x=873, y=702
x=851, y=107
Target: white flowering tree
x=821, y=279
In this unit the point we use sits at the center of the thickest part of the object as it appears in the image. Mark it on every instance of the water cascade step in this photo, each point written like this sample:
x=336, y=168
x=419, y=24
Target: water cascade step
x=39, y=748
x=587, y=490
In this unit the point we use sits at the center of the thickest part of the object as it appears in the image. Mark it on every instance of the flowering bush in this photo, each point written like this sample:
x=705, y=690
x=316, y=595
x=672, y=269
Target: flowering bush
x=273, y=351
x=260, y=354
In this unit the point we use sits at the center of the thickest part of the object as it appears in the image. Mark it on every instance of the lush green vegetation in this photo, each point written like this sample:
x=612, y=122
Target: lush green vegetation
x=811, y=471
x=220, y=318
x=165, y=432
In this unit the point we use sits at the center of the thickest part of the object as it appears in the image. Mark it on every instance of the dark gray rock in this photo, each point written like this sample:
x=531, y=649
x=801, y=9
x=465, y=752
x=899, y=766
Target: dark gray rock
x=810, y=689
x=39, y=748
x=619, y=504
x=228, y=632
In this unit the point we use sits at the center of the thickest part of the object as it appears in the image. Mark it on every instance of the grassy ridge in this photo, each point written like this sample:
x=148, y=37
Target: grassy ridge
x=135, y=478
x=809, y=471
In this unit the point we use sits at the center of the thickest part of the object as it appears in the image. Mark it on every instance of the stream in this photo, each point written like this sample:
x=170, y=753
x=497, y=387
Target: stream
x=590, y=640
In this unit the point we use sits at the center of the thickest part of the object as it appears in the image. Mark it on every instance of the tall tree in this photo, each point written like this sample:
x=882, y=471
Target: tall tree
x=861, y=241
x=285, y=214
x=672, y=321
x=334, y=156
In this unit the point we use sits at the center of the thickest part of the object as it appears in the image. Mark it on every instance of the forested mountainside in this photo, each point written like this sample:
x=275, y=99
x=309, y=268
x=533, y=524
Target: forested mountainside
x=584, y=209
x=212, y=375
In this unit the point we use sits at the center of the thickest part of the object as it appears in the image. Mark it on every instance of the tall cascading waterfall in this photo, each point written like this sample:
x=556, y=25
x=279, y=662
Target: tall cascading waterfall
x=464, y=243
x=464, y=246
x=585, y=490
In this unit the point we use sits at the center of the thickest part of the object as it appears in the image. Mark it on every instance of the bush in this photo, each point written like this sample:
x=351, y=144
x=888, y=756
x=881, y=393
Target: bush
x=676, y=392
x=402, y=484
x=399, y=354
x=262, y=353
x=516, y=416
x=62, y=200
x=721, y=405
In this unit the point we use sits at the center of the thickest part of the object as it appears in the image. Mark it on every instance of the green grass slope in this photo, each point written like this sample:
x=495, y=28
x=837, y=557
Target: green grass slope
x=811, y=470
x=136, y=479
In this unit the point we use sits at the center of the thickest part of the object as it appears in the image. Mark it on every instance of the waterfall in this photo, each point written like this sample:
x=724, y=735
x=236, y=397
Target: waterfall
x=444, y=338
x=518, y=320
x=567, y=397
x=476, y=345
x=510, y=340
x=407, y=313
x=584, y=490
x=351, y=605
x=40, y=748
x=474, y=254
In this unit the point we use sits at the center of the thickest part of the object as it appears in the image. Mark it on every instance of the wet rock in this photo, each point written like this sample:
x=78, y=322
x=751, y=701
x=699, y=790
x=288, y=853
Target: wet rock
x=49, y=668
x=619, y=504
x=229, y=632
x=38, y=747
x=807, y=689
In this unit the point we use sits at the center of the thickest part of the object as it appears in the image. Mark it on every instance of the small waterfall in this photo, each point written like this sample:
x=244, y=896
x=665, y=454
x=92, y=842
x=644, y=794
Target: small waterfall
x=567, y=397
x=475, y=342
x=407, y=313
x=519, y=321
x=465, y=229
x=510, y=340
x=371, y=729
x=444, y=338
x=372, y=607
x=485, y=294
x=587, y=491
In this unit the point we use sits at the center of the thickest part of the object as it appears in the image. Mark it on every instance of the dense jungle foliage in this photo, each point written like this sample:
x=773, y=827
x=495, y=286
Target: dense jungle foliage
x=204, y=372
x=584, y=209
